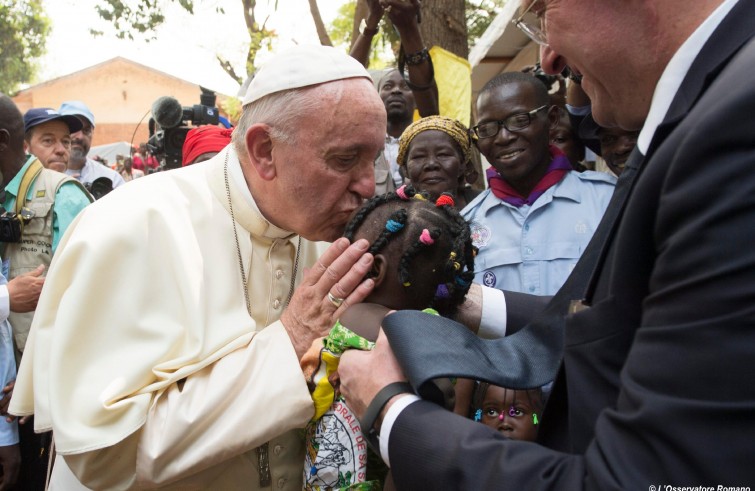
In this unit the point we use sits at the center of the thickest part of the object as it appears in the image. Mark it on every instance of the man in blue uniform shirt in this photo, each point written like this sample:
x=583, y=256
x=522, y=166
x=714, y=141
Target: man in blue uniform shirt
x=533, y=223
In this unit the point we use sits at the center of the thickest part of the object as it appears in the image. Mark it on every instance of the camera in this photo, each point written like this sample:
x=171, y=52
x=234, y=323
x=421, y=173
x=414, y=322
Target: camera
x=11, y=224
x=170, y=123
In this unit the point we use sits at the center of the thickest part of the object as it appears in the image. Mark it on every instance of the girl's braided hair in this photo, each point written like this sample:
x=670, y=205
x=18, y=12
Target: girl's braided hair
x=432, y=238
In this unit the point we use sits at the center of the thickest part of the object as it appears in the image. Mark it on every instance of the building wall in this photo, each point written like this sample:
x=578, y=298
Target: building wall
x=119, y=93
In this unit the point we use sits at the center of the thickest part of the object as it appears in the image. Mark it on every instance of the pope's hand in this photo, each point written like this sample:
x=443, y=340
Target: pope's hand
x=334, y=283
x=365, y=373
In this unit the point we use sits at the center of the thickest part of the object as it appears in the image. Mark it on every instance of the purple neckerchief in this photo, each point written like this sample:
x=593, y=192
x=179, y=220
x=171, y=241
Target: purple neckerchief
x=557, y=169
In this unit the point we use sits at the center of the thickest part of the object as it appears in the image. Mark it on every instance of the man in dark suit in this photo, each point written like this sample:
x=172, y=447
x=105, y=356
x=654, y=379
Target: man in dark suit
x=654, y=389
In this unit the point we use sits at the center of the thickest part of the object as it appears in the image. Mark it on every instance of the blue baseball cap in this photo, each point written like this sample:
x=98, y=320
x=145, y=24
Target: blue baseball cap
x=38, y=115
x=77, y=108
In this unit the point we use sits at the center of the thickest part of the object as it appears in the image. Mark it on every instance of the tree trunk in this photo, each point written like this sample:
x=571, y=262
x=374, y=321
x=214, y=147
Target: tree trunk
x=443, y=25
x=322, y=33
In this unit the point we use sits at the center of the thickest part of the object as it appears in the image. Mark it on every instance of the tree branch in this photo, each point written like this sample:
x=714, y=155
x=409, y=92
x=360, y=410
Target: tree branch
x=322, y=33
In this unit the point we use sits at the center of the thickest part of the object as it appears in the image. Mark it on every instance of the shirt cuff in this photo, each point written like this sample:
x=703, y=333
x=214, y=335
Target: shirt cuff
x=579, y=110
x=389, y=419
x=4, y=302
x=493, y=321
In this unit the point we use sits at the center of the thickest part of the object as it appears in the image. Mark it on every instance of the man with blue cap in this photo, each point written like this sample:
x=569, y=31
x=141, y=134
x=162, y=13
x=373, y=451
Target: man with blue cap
x=42, y=204
x=47, y=136
x=81, y=167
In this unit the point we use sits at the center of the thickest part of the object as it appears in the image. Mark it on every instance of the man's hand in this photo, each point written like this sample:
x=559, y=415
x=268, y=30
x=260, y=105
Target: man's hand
x=24, y=290
x=340, y=271
x=365, y=373
x=374, y=13
x=5, y=401
x=10, y=461
x=403, y=13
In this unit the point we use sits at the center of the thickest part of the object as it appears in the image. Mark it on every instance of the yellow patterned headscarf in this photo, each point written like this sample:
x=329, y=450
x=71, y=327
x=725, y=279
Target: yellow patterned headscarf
x=449, y=126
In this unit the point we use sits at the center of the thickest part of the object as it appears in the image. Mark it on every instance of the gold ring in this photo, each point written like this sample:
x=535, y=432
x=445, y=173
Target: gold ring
x=335, y=300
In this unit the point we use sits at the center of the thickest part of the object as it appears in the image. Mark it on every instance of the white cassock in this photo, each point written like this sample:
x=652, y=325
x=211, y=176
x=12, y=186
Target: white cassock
x=145, y=291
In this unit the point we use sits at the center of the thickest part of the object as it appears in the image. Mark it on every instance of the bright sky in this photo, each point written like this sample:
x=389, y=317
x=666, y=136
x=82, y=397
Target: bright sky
x=185, y=46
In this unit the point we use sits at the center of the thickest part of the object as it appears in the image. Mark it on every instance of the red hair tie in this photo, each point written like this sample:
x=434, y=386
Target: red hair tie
x=445, y=200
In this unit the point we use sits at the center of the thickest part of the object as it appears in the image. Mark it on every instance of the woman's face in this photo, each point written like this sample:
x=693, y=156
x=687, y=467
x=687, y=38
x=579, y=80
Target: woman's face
x=434, y=163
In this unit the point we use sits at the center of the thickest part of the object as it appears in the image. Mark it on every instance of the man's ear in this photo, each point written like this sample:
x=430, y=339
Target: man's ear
x=259, y=147
x=554, y=115
x=4, y=139
x=379, y=269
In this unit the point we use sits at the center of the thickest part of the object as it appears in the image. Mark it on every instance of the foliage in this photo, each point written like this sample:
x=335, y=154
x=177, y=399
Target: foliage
x=480, y=13
x=23, y=32
x=340, y=29
x=145, y=16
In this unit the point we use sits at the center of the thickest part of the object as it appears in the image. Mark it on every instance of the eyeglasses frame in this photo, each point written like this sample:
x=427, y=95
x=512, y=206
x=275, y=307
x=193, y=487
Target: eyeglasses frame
x=473, y=131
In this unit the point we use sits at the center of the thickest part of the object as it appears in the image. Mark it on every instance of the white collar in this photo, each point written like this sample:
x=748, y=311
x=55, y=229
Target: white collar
x=675, y=72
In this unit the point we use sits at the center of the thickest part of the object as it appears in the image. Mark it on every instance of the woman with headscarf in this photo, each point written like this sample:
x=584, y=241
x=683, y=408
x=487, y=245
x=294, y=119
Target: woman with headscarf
x=434, y=153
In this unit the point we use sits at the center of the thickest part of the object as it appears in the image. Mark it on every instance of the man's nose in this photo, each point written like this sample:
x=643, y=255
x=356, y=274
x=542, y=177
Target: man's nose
x=551, y=62
x=61, y=148
x=504, y=135
x=363, y=182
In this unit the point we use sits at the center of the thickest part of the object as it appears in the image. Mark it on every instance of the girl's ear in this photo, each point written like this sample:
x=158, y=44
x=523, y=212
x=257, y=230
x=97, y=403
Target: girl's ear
x=379, y=269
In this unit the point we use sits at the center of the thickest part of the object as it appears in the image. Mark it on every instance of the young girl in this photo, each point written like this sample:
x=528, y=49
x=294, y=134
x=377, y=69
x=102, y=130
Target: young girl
x=514, y=413
x=423, y=259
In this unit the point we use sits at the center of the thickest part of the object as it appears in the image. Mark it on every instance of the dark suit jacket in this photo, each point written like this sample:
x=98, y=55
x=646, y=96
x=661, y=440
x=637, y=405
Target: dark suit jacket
x=657, y=383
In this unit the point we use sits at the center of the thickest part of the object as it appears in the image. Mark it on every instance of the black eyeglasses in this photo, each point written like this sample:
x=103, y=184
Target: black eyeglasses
x=515, y=122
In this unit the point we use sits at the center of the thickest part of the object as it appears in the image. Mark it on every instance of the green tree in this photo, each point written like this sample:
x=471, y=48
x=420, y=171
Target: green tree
x=142, y=17
x=23, y=33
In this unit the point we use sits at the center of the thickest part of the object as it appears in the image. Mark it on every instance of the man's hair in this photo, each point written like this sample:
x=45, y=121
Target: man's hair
x=385, y=76
x=508, y=78
x=281, y=111
x=419, y=237
x=11, y=118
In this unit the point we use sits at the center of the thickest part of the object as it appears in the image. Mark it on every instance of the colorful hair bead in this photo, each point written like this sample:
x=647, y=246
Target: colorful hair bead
x=445, y=199
x=393, y=226
x=407, y=283
x=442, y=291
x=512, y=411
x=401, y=192
x=534, y=419
x=460, y=281
x=478, y=415
x=425, y=237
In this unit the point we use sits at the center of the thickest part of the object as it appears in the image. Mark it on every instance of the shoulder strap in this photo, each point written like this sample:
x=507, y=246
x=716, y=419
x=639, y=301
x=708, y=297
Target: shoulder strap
x=31, y=173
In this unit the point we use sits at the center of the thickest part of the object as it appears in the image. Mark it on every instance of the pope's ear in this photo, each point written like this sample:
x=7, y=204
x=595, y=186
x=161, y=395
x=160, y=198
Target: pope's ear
x=259, y=147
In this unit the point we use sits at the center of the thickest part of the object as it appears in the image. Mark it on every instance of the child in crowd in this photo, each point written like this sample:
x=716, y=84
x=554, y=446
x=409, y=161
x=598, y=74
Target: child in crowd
x=424, y=258
x=514, y=413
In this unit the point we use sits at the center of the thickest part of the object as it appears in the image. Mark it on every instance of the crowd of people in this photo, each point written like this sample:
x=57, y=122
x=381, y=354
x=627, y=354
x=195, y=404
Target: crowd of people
x=322, y=299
